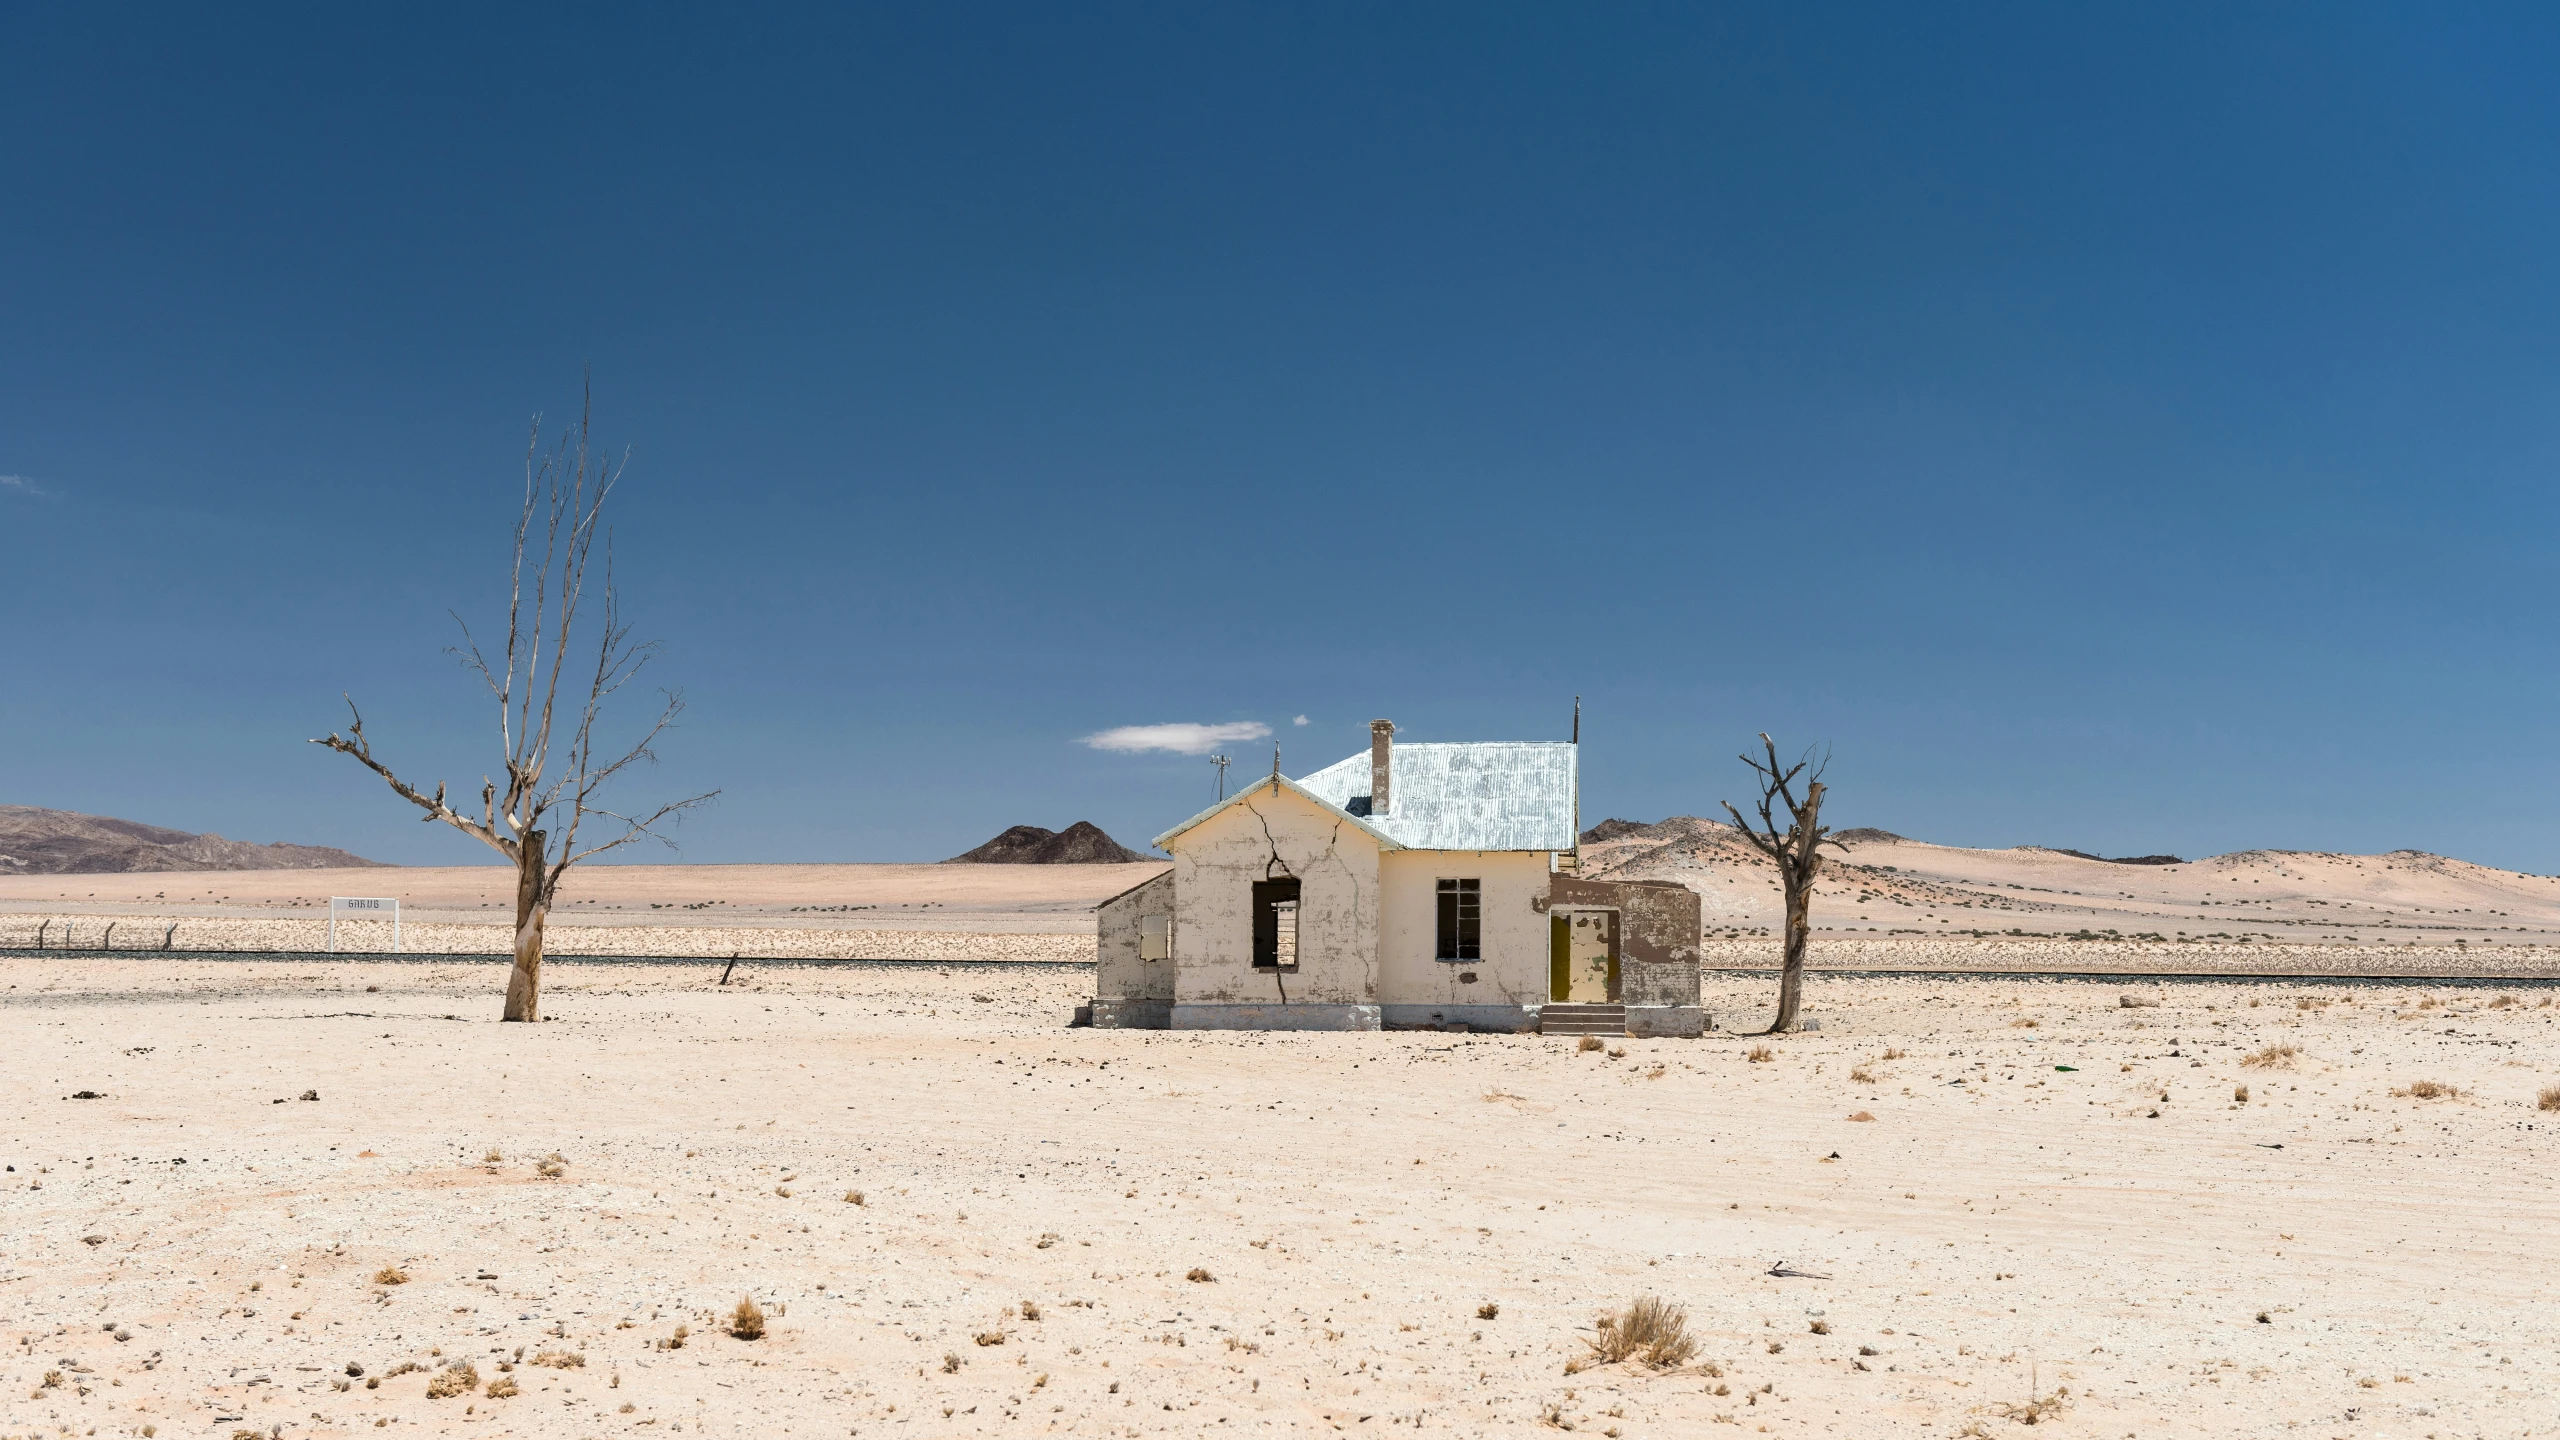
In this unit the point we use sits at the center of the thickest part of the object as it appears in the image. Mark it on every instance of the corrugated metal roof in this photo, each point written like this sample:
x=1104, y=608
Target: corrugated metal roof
x=1490, y=796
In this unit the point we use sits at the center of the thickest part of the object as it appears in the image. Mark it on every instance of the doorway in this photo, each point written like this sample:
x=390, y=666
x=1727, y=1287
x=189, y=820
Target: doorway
x=1583, y=956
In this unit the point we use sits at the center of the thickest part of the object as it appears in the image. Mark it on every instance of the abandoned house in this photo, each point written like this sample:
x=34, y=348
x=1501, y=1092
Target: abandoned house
x=1418, y=886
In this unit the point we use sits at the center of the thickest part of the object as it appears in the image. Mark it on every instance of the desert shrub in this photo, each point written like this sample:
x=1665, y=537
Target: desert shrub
x=1862, y=1075
x=1652, y=1330
x=2550, y=1098
x=1030, y=1310
x=551, y=1166
x=747, y=1321
x=853, y=1197
x=561, y=1360
x=2427, y=1090
x=2271, y=1057
x=990, y=1337
x=1893, y=1055
x=2240, y=1093
x=1761, y=1055
x=457, y=1378
x=390, y=1275
x=2024, y=1022
x=502, y=1387
x=1487, y=1310
x=1199, y=1276
x=1589, y=1044
x=1821, y=1327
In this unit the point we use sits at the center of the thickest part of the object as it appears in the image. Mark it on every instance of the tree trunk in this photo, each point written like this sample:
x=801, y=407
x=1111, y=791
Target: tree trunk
x=524, y=983
x=1791, y=972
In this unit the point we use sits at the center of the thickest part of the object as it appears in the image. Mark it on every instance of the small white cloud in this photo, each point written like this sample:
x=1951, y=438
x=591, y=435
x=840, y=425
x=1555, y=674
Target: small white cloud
x=1181, y=738
x=1301, y=720
x=20, y=485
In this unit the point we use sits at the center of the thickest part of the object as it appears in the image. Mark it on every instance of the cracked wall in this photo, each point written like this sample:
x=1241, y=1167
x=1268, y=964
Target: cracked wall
x=1270, y=834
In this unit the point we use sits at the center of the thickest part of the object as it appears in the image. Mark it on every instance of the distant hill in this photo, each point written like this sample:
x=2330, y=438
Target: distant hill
x=1082, y=843
x=62, y=842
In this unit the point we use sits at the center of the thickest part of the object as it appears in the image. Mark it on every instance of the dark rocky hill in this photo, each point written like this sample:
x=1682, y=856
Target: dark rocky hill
x=1082, y=843
x=63, y=842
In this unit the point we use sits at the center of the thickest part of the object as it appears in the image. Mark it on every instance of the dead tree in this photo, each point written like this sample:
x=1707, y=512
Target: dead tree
x=1796, y=851
x=554, y=772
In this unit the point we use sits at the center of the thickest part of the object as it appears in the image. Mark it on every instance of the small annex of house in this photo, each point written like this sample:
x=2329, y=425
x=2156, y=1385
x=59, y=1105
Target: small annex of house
x=1418, y=886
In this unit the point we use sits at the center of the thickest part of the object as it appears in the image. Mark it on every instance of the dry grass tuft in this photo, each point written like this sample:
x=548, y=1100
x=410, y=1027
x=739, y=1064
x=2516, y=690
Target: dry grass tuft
x=1589, y=1044
x=390, y=1275
x=551, y=1166
x=2240, y=1093
x=1862, y=1075
x=1761, y=1055
x=1893, y=1054
x=491, y=1158
x=1487, y=1310
x=501, y=1388
x=1199, y=1276
x=747, y=1321
x=2035, y=1411
x=2309, y=1002
x=2549, y=1099
x=561, y=1360
x=853, y=1197
x=2024, y=1022
x=676, y=1341
x=990, y=1337
x=2428, y=1090
x=455, y=1379
x=1821, y=1327
x=1617, y=1052
x=2271, y=1057
x=2502, y=1002
x=1030, y=1310
x=950, y=1362
x=1652, y=1330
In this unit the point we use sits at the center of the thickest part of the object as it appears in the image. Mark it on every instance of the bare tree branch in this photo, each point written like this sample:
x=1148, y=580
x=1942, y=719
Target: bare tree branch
x=552, y=778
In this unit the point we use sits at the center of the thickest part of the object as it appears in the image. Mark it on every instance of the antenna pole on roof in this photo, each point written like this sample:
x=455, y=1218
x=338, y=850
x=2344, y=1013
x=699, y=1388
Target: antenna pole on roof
x=1222, y=762
x=1275, y=767
x=1577, y=719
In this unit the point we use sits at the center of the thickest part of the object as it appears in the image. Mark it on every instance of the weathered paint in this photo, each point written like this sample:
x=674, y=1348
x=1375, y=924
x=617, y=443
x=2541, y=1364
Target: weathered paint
x=1128, y=1014
x=1484, y=1019
x=1252, y=1016
x=1276, y=832
x=1513, y=938
x=1119, y=972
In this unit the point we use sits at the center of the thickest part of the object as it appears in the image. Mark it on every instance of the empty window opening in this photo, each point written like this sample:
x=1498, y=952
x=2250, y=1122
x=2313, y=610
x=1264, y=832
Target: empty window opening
x=1461, y=920
x=1275, y=924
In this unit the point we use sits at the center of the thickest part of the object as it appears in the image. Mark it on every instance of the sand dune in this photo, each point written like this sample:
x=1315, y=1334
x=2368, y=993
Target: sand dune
x=1893, y=886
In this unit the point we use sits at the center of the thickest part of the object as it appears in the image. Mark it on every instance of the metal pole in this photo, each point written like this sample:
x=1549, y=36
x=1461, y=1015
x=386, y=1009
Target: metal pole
x=333, y=924
x=395, y=922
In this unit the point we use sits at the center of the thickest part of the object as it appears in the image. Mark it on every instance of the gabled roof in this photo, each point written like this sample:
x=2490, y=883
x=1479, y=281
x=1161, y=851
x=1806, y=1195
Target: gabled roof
x=1264, y=783
x=1487, y=796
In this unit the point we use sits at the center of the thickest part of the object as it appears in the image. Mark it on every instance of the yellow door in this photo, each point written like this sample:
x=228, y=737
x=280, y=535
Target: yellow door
x=1588, y=963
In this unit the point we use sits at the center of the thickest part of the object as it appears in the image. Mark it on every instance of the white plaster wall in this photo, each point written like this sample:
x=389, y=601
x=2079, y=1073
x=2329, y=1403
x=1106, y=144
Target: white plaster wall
x=1118, y=973
x=1214, y=866
x=1515, y=935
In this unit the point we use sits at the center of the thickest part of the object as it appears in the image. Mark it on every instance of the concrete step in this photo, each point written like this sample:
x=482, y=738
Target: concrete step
x=1582, y=1019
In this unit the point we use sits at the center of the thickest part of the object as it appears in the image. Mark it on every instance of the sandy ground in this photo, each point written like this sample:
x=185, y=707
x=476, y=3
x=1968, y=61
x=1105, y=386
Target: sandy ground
x=937, y=912
x=199, y=1252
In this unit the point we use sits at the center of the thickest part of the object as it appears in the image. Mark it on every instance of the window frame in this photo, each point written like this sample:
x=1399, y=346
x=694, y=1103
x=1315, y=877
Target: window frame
x=1458, y=920
x=1267, y=896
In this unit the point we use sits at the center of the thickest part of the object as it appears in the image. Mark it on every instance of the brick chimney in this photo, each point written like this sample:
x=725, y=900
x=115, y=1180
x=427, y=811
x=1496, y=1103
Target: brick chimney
x=1382, y=746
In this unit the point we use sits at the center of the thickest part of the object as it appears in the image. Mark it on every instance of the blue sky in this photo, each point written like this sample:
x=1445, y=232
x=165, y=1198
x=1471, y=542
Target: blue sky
x=2130, y=428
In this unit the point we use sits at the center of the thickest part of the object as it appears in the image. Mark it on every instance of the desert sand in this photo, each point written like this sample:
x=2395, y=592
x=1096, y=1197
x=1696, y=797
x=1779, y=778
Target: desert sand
x=2058, y=1199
